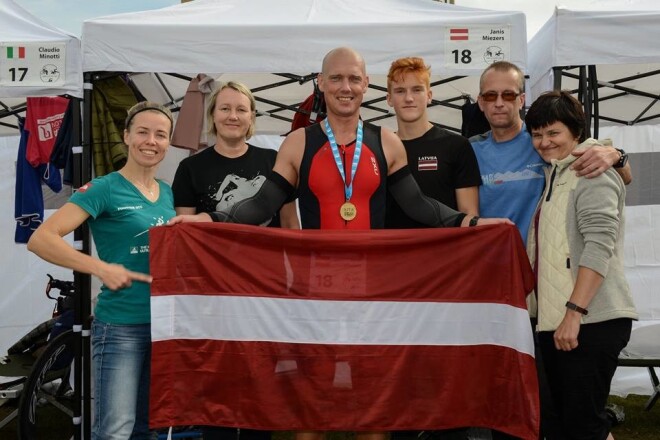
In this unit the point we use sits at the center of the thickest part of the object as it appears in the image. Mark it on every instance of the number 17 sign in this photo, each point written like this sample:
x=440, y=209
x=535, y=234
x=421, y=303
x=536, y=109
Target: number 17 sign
x=476, y=47
x=32, y=64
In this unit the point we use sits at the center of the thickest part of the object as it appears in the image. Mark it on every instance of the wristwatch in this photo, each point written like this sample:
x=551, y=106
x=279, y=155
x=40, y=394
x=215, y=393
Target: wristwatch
x=623, y=160
x=573, y=306
x=474, y=220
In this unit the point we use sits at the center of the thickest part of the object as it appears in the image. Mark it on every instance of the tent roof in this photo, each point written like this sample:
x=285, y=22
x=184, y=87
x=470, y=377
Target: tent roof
x=591, y=37
x=255, y=36
x=17, y=26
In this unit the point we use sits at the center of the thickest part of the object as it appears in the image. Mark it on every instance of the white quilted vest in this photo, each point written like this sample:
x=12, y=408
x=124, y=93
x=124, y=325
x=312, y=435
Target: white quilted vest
x=555, y=281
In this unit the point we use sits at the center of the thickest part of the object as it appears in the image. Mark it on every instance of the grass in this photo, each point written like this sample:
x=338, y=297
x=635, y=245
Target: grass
x=639, y=424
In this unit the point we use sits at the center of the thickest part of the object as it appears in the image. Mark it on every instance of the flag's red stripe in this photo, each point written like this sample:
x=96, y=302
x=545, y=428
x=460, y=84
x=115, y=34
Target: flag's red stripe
x=458, y=37
x=21, y=52
x=484, y=264
x=303, y=386
x=458, y=31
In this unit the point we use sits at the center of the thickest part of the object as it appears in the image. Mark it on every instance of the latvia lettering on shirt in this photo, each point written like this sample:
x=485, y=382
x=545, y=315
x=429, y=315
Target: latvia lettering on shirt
x=427, y=163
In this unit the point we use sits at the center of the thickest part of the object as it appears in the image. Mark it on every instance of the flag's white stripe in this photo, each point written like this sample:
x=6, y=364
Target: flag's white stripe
x=339, y=322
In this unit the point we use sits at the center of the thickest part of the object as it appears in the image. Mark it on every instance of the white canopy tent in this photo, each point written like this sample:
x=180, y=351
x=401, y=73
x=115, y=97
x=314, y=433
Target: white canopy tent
x=259, y=36
x=257, y=41
x=622, y=44
x=19, y=28
x=20, y=72
x=251, y=40
x=618, y=65
x=23, y=303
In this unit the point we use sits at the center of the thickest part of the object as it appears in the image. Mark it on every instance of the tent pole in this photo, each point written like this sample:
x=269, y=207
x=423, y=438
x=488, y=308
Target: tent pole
x=584, y=96
x=593, y=88
x=557, y=77
x=82, y=370
x=78, y=283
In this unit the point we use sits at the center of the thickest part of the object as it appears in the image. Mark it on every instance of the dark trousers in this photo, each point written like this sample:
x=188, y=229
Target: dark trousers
x=579, y=380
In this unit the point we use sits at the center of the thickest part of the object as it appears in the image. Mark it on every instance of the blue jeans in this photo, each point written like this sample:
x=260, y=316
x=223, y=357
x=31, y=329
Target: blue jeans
x=122, y=363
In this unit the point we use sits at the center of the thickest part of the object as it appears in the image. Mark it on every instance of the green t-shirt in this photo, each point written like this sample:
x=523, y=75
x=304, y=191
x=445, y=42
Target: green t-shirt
x=120, y=220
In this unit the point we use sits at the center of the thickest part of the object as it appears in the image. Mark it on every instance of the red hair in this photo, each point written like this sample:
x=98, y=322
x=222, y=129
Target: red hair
x=414, y=65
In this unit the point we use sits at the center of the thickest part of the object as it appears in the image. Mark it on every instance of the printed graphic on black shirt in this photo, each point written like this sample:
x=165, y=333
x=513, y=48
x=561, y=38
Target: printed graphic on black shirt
x=234, y=188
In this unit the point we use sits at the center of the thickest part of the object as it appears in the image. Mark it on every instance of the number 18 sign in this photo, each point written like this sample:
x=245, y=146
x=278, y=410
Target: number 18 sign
x=32, y=64
x=476, y=47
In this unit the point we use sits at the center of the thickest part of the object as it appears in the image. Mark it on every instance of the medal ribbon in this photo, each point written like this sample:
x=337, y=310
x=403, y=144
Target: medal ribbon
x=348, y=189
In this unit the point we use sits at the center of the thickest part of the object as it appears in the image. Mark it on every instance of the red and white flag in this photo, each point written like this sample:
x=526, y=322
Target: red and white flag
x=427, y=163
x=342, y=330
x=459, y=34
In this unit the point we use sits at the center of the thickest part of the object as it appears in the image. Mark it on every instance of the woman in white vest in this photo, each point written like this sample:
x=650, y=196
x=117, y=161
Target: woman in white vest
x=582, y=300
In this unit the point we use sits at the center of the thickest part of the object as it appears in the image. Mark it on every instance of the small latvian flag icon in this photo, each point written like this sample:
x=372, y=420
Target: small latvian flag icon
x=15, y=52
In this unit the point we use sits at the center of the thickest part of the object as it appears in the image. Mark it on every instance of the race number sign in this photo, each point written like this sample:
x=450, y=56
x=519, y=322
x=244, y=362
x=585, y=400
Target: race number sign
x=32, y=64
x=476, y=47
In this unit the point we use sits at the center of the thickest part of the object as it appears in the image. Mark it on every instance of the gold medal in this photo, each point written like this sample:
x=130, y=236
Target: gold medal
x=348, y=211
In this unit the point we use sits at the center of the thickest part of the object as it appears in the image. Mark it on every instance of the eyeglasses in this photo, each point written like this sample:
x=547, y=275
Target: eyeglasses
x=507, y=95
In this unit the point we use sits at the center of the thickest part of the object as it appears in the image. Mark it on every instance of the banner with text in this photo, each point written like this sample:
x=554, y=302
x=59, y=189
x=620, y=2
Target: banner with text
x=32, y=64
x=476, y=47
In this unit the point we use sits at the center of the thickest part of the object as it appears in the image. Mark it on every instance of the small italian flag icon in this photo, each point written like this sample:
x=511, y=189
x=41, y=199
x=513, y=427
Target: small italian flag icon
x=15, y=52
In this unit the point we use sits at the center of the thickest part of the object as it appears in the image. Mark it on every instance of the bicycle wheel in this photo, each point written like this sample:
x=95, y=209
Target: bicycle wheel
x=45, y=407
x=34, y=339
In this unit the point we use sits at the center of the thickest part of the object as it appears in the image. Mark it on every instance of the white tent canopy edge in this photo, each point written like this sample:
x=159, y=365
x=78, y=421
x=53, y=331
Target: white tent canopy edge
x=607, y=37
x=251, y=40
x=19, y=26
x=287, y=36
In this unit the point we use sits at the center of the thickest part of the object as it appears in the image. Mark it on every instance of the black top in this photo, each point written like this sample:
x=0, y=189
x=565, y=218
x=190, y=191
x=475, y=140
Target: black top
x=440, y=162
x=209, y=181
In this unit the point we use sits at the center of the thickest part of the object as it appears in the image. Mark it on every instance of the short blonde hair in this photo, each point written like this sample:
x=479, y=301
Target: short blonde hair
x=503, y=66
x=240, y=88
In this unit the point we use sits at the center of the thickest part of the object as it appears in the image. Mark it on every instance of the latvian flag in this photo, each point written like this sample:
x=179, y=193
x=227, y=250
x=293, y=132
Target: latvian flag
x=15, y=52
x=342, y=330
x=427, y=163
x=458, y=34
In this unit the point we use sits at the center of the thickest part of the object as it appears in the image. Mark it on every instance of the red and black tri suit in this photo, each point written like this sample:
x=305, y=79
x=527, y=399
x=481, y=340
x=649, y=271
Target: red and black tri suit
x=321, y=189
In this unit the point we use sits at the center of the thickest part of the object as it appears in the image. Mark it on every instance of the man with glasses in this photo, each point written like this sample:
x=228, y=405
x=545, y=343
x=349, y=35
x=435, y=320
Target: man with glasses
x=511, y=170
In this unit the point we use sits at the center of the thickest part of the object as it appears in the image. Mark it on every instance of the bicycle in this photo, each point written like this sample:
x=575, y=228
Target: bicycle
x=42, y=359
x=41, y=362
